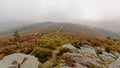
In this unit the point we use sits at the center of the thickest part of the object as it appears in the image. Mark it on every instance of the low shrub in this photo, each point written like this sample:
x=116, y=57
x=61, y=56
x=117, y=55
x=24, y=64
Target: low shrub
x=43, y=54
x=26, y=47
x=90, y=65
x=87, y=43
x=110, y=42
x=63, y=50
x=48, y=65
x=27, y=44
x=77, y=44
x=52, y=41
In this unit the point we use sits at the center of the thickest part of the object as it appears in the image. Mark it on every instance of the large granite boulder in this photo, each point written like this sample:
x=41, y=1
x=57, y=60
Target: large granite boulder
x=19, y=60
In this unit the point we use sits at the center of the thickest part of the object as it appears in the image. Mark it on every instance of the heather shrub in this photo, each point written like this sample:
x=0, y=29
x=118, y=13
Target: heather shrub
x=63, y=50
x=27, y=44
x=87, y=43
x=109, y=42
x=90, y=65
x=16, y=34
x=52, y=42
x=43, y=54
x=48, y=65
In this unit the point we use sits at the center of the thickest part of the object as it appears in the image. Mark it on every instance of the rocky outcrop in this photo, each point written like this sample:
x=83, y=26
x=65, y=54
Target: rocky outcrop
x=84, y=58
x=19, y=60
x=86, y=55
x=87, y=49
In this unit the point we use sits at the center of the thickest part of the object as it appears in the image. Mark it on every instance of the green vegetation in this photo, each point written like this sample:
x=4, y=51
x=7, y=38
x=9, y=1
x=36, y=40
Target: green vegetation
x=52, y=41
x=48, y=65
x=16, y=34
x=63, y=50
x=110, y=42
x=90, y=65
x=43, y=54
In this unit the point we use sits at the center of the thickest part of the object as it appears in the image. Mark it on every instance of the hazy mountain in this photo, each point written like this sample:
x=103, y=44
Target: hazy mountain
x=68, y=28
x=7, y=25
x=18, y=27
x=113, y=25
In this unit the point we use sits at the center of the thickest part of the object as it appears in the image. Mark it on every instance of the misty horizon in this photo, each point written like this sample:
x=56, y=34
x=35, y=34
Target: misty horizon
x=103, y=14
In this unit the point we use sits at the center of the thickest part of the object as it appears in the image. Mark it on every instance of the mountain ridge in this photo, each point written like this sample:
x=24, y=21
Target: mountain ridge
x=68, y=27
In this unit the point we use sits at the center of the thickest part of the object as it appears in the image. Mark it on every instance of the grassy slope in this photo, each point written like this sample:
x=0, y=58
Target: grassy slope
x=53, y=34
x=52, y=40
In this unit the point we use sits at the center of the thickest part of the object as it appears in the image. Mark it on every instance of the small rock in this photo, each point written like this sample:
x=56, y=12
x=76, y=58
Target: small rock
x=69, y=46
x=99, y=50
x=80, y=66
x=107, y=56
x=115, y=64
x=117, y=54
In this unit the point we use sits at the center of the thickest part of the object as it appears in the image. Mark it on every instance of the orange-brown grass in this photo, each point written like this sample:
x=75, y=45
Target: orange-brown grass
x=26, y=43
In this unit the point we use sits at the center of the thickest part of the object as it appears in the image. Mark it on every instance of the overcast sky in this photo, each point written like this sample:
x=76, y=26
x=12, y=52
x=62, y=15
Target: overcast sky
x=16, y=11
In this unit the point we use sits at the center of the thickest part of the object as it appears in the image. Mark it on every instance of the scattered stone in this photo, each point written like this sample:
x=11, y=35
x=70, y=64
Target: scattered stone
x=69, y=46
x=107, y=56
x=115, y=64
x=117, y=54
x=99, y=50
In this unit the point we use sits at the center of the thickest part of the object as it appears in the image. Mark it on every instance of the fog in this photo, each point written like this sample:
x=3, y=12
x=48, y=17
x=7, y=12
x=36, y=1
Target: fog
x=97, y=13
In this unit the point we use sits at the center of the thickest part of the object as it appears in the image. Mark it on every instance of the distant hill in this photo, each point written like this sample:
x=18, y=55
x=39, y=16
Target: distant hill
x=112, y=25
x=66, y=28
x=108, y=33
x=25, y=28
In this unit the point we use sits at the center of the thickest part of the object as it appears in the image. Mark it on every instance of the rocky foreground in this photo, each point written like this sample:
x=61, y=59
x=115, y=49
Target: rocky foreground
x=84, y=56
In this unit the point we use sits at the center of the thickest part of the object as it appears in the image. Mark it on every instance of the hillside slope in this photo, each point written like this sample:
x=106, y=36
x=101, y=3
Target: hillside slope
x=67, y=28
x=60, y=45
